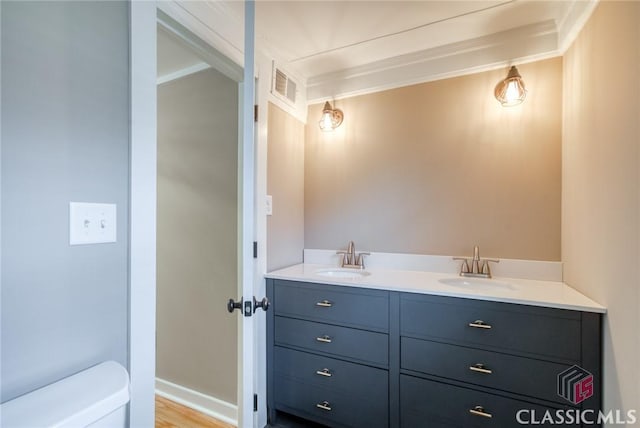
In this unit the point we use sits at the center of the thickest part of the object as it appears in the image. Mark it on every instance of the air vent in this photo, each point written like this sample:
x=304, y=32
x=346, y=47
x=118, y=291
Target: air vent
x=283, y=86
x=281, y=83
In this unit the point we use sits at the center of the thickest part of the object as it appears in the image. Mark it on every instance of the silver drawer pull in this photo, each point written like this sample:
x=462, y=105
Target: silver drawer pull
x=479, y=411
x=325, y=304
x=324, y=406
x=480, y=368
x=324, y=372
x=479, y=324
x=324, y=339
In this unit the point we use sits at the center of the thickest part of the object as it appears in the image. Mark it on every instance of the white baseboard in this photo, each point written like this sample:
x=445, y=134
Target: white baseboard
x=195, y=400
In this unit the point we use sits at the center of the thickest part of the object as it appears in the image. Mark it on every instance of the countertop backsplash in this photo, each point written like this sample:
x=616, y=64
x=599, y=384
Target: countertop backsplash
x=507, y=268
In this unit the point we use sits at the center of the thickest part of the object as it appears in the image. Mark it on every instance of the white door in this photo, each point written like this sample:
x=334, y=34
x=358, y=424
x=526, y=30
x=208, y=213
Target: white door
x=143, y=18
x=247, y=418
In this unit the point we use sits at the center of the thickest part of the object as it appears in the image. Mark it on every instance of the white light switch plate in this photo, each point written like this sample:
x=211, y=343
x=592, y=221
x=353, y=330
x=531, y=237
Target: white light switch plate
x=269, y=205
x=91, y=223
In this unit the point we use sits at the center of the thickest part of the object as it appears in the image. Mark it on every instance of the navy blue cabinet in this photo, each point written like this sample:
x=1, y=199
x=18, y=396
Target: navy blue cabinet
x=471, y=363
x=355, y=357
x=328, y=354
x=427, y=403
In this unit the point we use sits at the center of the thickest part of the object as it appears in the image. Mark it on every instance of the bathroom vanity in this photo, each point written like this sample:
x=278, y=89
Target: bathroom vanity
x=356, y=353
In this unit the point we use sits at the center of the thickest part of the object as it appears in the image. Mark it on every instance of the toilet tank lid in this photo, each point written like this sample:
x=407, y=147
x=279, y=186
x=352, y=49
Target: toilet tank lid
x=75, y=401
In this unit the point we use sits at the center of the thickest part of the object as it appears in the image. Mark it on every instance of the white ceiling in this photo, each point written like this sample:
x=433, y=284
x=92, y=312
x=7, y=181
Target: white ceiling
x=318, y=37
x=340, y=48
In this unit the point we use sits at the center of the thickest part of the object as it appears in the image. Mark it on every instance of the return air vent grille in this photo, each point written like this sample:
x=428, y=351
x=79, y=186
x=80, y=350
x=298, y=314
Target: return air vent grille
x=283, y=86
x=281, y=82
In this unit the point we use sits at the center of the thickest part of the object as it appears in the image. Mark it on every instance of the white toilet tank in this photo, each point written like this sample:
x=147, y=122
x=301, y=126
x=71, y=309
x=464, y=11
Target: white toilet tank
x=96, y=398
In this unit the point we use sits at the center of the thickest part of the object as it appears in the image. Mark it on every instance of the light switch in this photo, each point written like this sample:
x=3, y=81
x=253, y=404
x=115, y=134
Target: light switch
x=269, y=205
x=91, y=223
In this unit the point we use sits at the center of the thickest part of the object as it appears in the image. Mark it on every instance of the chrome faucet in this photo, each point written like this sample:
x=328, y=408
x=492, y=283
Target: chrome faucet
x=479, y=267
x=350, y=259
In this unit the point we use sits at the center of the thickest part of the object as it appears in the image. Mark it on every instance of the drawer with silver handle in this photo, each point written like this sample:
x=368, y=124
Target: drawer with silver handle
x=364, y=309
x=331, y=406
x=521, y=375
x=510, y=328
x=446, y=405
x=350, y=378
x=332, y=340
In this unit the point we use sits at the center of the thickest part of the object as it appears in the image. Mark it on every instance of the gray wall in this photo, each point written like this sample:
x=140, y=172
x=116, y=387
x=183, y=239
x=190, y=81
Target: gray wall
x=65, y=137
x=285, y=183
x=197, y=233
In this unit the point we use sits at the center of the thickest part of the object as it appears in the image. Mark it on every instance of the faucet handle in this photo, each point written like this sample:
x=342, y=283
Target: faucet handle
x=360, y=259
x=344, y=259
x=465, y=265
x=485, y=266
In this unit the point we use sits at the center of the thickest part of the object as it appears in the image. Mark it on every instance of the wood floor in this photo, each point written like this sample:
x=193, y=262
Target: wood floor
x=173, y=415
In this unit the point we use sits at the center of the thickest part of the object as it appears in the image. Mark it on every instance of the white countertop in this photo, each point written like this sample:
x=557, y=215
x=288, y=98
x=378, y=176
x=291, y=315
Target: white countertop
x=550, y=294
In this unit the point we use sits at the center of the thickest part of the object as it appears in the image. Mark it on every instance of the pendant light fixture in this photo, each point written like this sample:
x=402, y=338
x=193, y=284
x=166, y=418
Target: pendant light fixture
x=511, y=90
x=331, y=118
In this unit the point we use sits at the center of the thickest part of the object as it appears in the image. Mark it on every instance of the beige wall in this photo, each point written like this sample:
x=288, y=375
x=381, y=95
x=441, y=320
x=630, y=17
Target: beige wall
x=197, y=233
x=285, y=183
x=438, y=167
x=601, y=182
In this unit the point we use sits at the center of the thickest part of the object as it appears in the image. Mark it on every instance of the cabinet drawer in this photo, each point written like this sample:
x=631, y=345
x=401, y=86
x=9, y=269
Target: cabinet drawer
x=520, y=375
x=367, y=309
x=330, y=406
x=432, y=404
x=349, y=378
x=490, y=325
x=360, y=345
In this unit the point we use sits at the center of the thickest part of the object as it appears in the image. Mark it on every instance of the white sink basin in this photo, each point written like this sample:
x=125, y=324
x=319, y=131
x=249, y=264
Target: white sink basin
x=342, y=273
x=479, y=284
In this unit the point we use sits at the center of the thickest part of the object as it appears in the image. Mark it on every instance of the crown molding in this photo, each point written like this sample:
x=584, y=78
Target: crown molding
x=218, y=25
x=182, y=73
x=213, y=22
x=576, y=18
x=521, y=45
x=524, y=44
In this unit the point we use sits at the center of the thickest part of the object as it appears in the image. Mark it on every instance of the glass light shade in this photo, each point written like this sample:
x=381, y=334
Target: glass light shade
x=326, y=122
x=331, y=118
x=511, y=91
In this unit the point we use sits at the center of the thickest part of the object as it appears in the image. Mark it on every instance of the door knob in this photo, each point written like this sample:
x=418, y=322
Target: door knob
x=264, y=304
x=232, y=305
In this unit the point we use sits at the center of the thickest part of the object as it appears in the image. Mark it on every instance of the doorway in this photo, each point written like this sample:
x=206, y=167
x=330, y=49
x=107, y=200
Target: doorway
x=198, y=212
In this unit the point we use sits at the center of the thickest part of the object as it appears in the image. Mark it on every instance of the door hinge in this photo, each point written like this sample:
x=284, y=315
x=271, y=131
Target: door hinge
x=255, y=113
x=255, y=249
x=255, y=402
